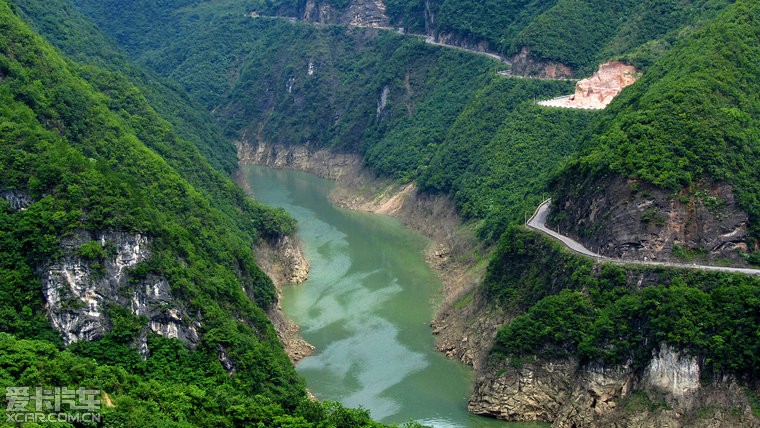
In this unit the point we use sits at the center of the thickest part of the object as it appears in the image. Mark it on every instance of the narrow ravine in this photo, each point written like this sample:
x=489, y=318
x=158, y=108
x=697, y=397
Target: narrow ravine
x=367, y=307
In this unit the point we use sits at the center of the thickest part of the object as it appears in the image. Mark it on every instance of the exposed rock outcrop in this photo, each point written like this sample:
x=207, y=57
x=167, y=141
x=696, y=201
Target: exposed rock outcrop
x=466, y=326
x=282, y=260
x=451, y=39
x=526, y=65
x=78, y=291
x=360, y=13
x=17, y=199
x=285, y=263
x=666, y=393
x=598, y=91
x=318, y=162
x=630, y=219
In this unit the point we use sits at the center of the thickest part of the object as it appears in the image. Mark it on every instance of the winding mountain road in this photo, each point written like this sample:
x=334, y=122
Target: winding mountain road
x=431, y=40
x=538, y=222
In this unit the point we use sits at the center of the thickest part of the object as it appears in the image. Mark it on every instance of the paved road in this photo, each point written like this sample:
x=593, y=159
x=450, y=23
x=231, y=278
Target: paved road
x=431, y=40
x=538, y=222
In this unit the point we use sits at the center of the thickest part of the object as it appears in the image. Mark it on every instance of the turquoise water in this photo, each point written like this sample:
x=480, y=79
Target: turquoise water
x=366, y=307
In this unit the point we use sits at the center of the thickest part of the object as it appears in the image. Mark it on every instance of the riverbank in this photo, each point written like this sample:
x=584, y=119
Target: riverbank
x=461, y=330
x=564, y=393
x=285, y=264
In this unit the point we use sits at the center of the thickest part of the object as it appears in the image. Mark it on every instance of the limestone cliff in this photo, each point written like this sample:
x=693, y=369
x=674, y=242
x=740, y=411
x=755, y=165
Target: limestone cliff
x=667, y=392
x=284, y=262
x=631, y=219
x=17, y=199
x=78, y=292
x=456, y=40
x=598, y=90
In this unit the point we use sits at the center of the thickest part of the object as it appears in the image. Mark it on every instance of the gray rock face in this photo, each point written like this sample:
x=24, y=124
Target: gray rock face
x=529, y=392
x=628, y=219
x=17, y=199
x=78, y=291
x=320, y=162
x=526, y=65
x=665, y=393
x=456, y=40
x=363, y=13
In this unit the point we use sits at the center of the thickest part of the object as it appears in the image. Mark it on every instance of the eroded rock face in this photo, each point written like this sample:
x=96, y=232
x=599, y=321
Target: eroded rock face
x=360, y=13
x=466, y=332
x=77, y=291
x=629, y=219
x=451, y=39
x=528, y=392
x=598, y=90
x=525, y=65
x=666, y=393
x=283, y=261
x=17, y=199
x=320, y=162
x=674, y=373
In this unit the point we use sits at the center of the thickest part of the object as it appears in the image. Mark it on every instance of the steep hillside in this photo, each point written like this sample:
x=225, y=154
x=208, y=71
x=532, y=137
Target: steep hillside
x=671, y=167
x=607, y=345
x=117, y=272
x=538, y=35
x=68, y=30
x=667, y=170
x=407, y=107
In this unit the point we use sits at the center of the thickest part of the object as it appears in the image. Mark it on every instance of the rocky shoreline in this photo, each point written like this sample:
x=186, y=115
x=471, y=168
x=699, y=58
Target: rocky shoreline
x=565, y=393
x=452, y=250
x=284, y=262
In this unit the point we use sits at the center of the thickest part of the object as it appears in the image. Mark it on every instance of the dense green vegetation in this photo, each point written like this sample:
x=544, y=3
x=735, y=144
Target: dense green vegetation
x=602, y=313
x=59, y=22
x=174, y=387
x=447, y=118
x=498, y=155
x=693, y=117
x=446, y=121
x=578, y=33
x=86, y=151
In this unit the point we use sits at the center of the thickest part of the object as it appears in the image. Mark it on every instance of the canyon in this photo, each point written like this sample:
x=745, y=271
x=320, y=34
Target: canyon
x=565, y=393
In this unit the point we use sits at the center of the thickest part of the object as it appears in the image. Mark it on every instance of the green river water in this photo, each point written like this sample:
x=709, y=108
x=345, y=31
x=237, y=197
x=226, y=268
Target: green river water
x=366, y=307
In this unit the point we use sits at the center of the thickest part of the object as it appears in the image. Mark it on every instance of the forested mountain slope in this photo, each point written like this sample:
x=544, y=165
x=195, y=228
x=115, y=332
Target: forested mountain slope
x=575, y=33
x=667, y=170
x=677, y=153
x=66, y=28
x=406, y=106
x=112, y=246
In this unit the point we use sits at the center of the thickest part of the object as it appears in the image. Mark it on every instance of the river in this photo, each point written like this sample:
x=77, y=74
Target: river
x=366, y=307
